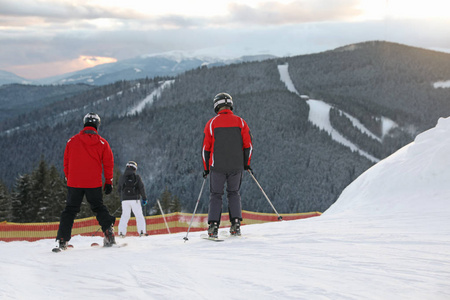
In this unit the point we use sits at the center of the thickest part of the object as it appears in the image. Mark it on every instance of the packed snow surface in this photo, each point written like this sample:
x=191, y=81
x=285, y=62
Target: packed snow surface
x=386, y=237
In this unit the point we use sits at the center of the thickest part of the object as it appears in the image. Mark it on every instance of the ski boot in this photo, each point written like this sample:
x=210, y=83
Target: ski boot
x=235, y=228
x=143, y=234
x=213, y=230
x=109, y=238
x=121, y=235
x=62, y=244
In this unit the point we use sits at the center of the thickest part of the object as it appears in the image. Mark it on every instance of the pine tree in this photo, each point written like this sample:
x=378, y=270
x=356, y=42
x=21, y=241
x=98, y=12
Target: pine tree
x=5, y=203
x=175, y=205
x=164, y=201
x=39, y=207
x=169, y=203
x=21, y=199
x=58, y=195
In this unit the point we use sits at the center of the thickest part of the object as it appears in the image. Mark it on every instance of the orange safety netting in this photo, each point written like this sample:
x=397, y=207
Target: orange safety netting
x=177, y=222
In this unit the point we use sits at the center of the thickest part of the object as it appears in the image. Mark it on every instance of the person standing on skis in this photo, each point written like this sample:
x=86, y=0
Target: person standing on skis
x=87, y=155
x=227, y=150
x=130, y=189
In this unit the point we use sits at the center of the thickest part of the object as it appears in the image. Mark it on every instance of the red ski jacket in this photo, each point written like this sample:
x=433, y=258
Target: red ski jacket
x=85, y=155
x=227, y=143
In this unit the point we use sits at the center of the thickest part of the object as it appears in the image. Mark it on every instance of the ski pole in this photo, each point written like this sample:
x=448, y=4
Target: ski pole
x=112, y=215
x=160, y=208
x=195, y=209
x=251, y=174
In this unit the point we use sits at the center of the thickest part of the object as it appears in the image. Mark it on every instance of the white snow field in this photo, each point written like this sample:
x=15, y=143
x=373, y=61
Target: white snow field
x=386, y=237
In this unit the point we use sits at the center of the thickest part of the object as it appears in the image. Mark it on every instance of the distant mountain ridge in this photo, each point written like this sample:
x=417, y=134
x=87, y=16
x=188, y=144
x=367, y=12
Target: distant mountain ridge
x=18, y=99
x=8, y=78
x=157, y=65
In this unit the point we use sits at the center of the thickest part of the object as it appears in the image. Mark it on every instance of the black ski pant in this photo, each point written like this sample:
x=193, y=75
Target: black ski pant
x=94, y=197
x=217, y=182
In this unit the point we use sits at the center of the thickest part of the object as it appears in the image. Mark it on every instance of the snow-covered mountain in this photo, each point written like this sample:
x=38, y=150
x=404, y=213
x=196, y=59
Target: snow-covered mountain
x=165, y=64
x=8, y=77
x=386, y=237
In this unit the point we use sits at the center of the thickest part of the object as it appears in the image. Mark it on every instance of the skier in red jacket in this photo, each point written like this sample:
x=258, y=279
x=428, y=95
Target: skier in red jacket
x=85, y=157
x=227, y=150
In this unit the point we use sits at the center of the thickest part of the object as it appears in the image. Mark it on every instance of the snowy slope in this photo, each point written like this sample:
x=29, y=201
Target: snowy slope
x=424, y=163
x=320, y=116
x=149, y=99
x=386, y=237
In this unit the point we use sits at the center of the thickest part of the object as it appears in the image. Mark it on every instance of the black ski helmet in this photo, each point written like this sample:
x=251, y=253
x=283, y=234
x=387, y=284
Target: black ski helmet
x=222, y=99
x=132, y=164
x=91, y=119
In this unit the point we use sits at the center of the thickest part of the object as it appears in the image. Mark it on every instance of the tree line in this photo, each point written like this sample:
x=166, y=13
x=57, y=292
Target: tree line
x=40, y=196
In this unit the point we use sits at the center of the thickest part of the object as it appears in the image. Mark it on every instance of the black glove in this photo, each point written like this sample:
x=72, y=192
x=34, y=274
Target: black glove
x=205, y=173
x=144, y=202
x=247, y=168
x=107, y=189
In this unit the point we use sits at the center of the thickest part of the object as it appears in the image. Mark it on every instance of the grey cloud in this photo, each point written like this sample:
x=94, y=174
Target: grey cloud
x=55, y=10
x=180, y=21
x=295, y=12
x=56, y=15
x=267, y=13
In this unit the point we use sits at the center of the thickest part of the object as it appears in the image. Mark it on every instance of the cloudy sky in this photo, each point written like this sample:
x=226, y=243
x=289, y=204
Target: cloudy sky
x=42, y=38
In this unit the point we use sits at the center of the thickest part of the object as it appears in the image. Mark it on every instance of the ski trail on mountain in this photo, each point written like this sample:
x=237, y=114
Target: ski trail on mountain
x=319, y=115
x=150, y=98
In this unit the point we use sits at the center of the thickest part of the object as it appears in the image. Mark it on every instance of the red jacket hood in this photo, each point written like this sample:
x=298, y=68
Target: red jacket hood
x=225, y=111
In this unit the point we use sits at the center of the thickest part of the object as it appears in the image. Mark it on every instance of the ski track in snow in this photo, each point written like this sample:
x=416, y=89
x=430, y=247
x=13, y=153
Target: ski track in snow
x=319, y=115
x=149, y=99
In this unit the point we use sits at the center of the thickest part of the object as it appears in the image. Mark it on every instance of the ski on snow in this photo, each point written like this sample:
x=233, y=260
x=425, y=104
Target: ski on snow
x=207, y=237
x=93, y=245
x=57, y=249
x=222, y=235
x=96, y=245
